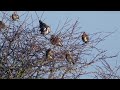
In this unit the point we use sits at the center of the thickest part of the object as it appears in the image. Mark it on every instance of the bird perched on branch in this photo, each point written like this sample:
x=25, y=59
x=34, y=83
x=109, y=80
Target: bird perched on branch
x=44, y=28
x=85, y=37
x=35, y=48
x=49, y=54
x=55, y=40
x=69, y=57
x=15, y=16
x=2, y=25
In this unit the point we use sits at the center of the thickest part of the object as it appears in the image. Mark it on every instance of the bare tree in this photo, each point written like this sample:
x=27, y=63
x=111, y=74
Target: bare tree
x=28, y=50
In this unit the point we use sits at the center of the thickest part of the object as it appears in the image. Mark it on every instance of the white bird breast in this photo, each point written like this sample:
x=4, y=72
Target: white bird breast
x=85, y=39
x=47, y=30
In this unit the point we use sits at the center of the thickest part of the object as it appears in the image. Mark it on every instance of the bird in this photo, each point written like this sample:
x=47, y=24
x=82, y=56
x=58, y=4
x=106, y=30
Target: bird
x=42, y=24
x=52, y=39
x=85, y=37
x=59, y=42
x=2, y=25
x=49, y=54
x=55, y=40
x=15, y=16
x=36, y=48
x=44, y=28
x=69, y=57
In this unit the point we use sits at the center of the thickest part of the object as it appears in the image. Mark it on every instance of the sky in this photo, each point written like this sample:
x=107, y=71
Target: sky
x=91, y=22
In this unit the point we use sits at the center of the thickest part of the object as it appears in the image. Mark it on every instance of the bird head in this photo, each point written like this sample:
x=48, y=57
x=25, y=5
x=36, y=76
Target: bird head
x=41, y=23
x=49, y=50
x=84, y=33
x=15, y=16
x=0, y=22
x=52, y=36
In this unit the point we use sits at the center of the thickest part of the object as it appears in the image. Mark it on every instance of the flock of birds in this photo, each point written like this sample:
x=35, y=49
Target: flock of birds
x=55, y=40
